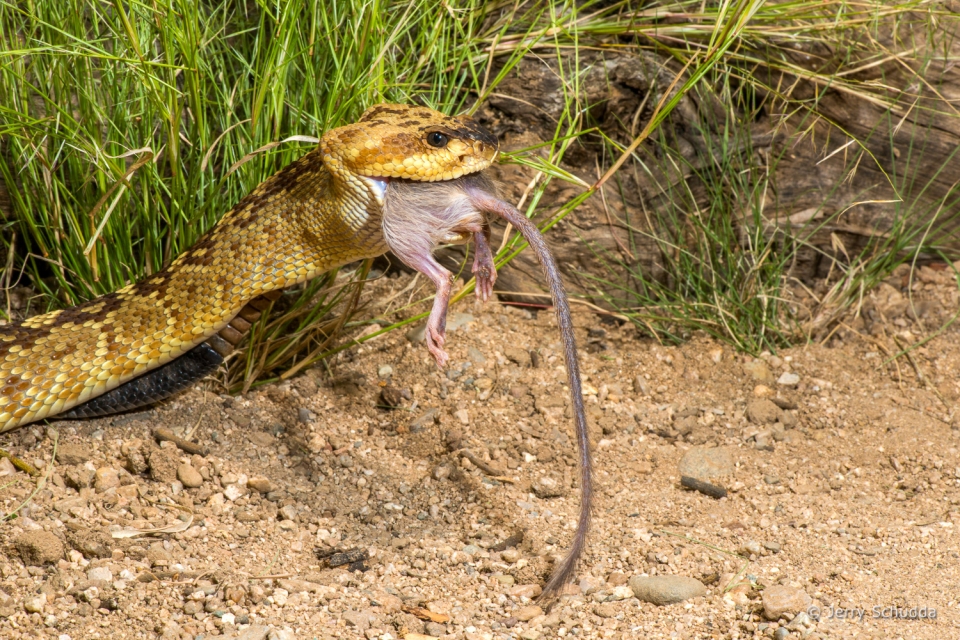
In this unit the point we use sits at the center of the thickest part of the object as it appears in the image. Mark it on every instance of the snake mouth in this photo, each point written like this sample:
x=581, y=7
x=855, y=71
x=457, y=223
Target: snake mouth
x=379, y=186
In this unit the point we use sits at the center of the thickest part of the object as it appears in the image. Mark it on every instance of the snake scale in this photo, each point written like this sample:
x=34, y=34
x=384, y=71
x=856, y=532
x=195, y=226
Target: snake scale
x=402, y=178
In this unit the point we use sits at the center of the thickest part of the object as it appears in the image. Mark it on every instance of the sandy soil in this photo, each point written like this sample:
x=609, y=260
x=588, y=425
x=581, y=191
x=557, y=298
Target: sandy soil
x=842, y=495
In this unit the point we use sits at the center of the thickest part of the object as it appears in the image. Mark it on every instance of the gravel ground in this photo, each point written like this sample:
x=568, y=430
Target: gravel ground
x=829, y=485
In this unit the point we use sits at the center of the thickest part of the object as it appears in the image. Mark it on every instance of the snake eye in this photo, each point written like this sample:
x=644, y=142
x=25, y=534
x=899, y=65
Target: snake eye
x=437, y=139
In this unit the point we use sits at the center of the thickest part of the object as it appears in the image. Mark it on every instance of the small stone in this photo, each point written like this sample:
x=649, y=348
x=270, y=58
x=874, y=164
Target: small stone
x=620, y=593
x=305, y=416
x=763, y=411
x=471, y=549
x=435, y=629
x=233, y=492
x=529, y=591
x=751, y=548
x=163, y=464
x=463, y=416
x=524, y=614
x=106, y=478
x=781, y=600
x=763, y=391
x=100, y=573
x=510, y=555
x=772, y=547
x=385, y=371
x=788, y=379
x=288, y=512
x=260, y=484
x=663, y=590
x=192, y=607
x=519, y=356
x=359, y=619
x=7, y=468
x=704, y=463
x=35, y=604
x=72, y=454
x=759, y=371
x=781, y=634
x=506, y=580
x=38, y=547
x=606, y=610
x=189, y=476
x=92, y=543
x=546, y=487
x=616, y=579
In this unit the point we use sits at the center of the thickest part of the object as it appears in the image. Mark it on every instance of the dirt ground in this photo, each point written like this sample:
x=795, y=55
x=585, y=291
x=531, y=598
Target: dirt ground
x=314, y=511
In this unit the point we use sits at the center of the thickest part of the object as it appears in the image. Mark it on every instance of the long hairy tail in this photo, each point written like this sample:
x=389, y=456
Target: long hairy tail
x=485, y=202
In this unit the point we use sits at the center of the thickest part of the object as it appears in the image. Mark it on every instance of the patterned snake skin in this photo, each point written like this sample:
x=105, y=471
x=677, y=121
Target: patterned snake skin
x=320, y=212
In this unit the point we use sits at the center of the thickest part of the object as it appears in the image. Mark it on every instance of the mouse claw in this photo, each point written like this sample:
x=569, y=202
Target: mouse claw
x=435, y=338
x=484, y=268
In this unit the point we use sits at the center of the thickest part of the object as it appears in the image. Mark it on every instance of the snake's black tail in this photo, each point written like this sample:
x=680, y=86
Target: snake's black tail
x=153, y=386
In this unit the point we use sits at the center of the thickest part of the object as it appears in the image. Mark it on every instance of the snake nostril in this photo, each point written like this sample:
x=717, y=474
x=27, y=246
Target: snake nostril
x=460, y=159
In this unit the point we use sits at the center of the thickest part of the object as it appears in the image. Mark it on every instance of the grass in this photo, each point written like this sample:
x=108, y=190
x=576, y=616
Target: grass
x=128, y=129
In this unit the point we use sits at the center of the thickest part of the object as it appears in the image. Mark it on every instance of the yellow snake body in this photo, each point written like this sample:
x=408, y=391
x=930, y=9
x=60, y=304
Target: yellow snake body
x=320, y=212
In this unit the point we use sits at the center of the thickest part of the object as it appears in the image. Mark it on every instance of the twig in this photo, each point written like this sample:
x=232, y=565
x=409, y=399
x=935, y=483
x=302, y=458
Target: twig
x=481, y=464
x=184, y=445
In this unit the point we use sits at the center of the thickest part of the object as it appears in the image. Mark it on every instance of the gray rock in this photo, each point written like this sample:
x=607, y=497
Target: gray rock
x=780, y=600
x=662, y=590
x=781, y=634
x=436, y=629
x=789, y=379
x=704, y=463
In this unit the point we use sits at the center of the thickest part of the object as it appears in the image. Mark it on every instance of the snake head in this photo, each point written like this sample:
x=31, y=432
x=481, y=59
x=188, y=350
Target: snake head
x=411, y=142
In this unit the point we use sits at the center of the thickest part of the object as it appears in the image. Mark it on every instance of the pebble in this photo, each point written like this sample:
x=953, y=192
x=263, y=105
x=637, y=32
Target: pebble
x=510, y=555
x=506, y=579
x=781, y=600
x=260, y=484
x=385, y=371
x=759, y=371
x=788, y=379
x=607, y=610
x=617, y=578
x=288, y=512
x=762, y=411
x=100, y=573
x=621, y=592
x=704, y=463
x=662, y=590
x=751, y=547
x=39, y=547
x=233, y=492
x=189, y=476
x=7, y=468
x=35, y=604
x=106, y=478
x=530, y=591
x=163, y=465
x=527, y=613
x=305, y=416
x=435, y=629
x=547, y=487
x=71, y=454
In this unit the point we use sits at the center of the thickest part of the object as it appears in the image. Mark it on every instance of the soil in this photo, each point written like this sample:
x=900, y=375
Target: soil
x=843, y=483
